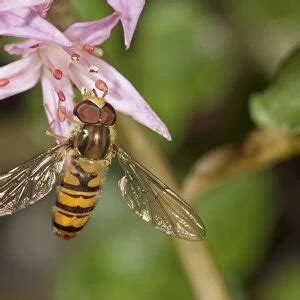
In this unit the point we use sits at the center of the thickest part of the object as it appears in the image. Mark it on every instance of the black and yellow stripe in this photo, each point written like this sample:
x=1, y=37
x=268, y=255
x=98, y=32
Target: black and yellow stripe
x=77, y=197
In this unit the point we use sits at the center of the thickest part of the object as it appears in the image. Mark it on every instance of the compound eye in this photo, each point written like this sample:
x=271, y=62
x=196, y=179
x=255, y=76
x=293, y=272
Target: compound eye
x=87, y=112
x=108, y=115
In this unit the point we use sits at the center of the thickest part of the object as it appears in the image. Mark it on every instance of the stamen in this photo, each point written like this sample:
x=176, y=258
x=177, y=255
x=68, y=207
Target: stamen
x=4, y=82
x=102, y=86
x=97, y=51
x=75, y=56
x=35, y=46
x=88, y=48
x=61, y=96
x=57, y=74
x=93, y=69
x=61, y=113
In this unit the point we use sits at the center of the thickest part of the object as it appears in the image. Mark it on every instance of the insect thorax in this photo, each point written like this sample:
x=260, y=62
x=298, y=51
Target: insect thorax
x=93, y=141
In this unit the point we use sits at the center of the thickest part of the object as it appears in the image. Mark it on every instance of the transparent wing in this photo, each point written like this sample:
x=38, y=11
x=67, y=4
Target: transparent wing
x=31, y=181
x=156, y=203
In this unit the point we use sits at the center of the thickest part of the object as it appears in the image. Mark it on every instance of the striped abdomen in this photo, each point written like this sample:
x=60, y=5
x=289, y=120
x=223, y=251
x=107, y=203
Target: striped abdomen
x=77, y=196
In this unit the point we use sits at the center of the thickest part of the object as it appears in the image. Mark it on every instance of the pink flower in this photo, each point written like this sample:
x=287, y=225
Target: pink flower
x=129, y=15
x=25, y=19
x=42, y=5
x=126, y=11
x=72, y=59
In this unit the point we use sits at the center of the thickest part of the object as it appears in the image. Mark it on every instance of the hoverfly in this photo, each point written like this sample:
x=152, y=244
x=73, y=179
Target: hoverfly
x=82, y=160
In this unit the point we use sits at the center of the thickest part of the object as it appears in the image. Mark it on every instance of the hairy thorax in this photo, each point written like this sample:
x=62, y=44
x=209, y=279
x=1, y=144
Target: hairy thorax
x=92, y=141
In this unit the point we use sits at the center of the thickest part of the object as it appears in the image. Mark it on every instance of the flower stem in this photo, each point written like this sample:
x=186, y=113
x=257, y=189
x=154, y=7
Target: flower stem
x=261, y=149
x=201, y=271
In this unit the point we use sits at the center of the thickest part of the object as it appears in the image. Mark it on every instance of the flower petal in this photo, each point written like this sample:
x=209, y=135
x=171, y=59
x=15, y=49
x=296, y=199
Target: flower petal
x=8, y=4
x=22, y=47
x=124, y=97
x=43, y=8
x=50, y=99
x=22, y=74
x=26, y=23
x=94, y=32
x=55, y=57
x=130, y=12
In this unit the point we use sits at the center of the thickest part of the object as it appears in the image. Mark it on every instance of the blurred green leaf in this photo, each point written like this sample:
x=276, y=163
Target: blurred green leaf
x=259, y=12
x=269, y=29
x=239, y=215
x=36, y=117
x=182, y=58
x=91, y=10
x=5, y=57
x=283, y=283
x=279, y=105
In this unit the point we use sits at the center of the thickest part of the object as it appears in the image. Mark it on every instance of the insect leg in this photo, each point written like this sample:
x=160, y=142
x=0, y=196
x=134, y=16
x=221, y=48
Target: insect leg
x=72, y=120
x=61, y=138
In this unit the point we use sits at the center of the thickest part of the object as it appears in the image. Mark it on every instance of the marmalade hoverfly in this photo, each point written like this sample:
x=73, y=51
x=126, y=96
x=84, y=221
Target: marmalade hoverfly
x=82, y=160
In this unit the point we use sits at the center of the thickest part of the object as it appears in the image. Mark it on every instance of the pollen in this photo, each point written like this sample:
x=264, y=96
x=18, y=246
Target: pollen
x=102, y=86
x=75, y=56
x=4, y=82
x=98, y=51
x=57, y=74
x=61, y=96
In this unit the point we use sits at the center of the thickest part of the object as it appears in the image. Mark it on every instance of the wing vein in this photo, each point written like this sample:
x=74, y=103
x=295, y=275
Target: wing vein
x=32, y=180
x=153, y=201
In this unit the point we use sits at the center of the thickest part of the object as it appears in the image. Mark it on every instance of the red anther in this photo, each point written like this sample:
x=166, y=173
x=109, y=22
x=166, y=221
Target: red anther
x=88, y=48
x=35, y=46
x=57, y=74
x=4, y=82
x=61, y=113
x=101, y=85
x=75, y=56
x=61, y=96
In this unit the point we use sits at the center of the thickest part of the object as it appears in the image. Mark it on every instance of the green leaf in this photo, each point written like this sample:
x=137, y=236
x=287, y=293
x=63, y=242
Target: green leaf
x=279, y=105
x=181, y=61
x=239, y=215
x=37, y=120
x=258, y=12
x=92, y=10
